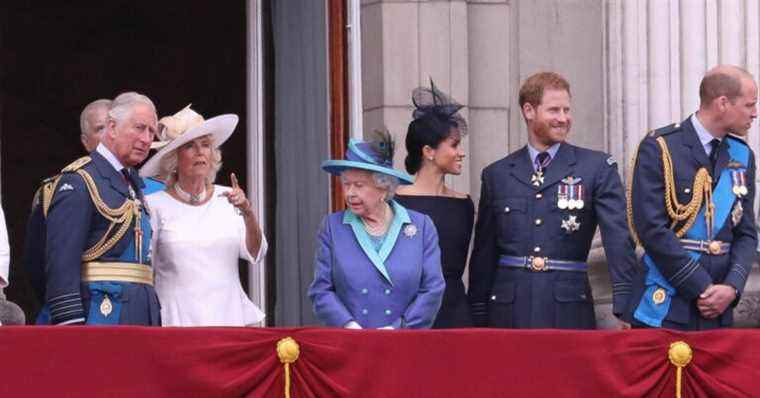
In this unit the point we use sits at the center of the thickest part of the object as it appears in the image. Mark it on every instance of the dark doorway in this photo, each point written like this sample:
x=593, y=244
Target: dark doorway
x=59, y=56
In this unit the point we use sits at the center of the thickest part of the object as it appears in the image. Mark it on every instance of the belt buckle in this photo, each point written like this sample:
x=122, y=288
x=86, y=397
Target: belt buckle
x=538, y=264
x=714, y=247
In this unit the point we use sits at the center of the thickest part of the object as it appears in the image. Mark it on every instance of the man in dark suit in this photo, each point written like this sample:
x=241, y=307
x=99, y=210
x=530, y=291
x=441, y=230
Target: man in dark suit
x=98, y=231
x=538, y=212
x=692, y=199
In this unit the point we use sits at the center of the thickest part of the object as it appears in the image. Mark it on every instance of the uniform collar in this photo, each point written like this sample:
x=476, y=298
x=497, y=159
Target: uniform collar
x=400, y=217
x=533, y=152
x=109, y=156
x=704, y=136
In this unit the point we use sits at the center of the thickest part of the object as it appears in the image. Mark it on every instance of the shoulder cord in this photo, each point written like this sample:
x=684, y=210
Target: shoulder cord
x=122, y=215
x=701, y=192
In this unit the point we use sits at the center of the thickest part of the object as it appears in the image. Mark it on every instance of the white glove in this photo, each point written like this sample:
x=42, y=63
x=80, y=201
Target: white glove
x=389, y=327
x=352, y=325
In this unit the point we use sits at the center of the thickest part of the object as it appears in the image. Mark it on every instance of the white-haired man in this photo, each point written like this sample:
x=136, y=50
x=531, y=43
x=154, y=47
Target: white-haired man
x=98, y=232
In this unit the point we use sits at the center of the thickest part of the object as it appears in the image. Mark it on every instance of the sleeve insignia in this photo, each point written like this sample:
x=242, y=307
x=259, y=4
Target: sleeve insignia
x=77, y=164
x=66, y=187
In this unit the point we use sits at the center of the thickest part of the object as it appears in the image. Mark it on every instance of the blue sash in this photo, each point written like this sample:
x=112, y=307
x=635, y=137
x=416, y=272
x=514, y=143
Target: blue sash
x=651, y=313
x=99, y=291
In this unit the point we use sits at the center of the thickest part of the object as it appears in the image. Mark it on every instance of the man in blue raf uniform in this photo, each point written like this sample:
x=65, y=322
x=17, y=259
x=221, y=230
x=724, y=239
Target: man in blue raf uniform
x=98, y=230
x=538, y=212
x=692, y=200
x=92, y=124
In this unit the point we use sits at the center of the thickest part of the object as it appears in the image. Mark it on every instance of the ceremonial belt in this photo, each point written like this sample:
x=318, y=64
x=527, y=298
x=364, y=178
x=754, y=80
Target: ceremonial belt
x=95, y=271
x=542, y=264
x=709, y=247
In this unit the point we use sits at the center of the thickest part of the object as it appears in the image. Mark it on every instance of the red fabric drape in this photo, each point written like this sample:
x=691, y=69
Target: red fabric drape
x=242, y=362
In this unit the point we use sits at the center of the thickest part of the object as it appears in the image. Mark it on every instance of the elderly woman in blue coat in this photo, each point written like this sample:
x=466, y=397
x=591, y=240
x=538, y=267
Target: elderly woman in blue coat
x=377, y=265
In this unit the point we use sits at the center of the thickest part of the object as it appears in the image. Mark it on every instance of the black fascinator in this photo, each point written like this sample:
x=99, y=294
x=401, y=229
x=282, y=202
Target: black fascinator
x=431, y=102
x=383, y=145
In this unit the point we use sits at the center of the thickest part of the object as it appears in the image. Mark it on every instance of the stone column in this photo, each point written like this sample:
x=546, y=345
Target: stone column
x=404, y=44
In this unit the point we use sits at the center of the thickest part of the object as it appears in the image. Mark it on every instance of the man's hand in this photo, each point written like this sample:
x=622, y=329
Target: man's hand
x=715, y=299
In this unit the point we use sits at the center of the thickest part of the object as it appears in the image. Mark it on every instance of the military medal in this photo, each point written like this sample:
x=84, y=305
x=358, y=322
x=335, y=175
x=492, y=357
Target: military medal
x=659, y=296
x=562, y=196
x=571, y=224
x=105, y=306
x=738, y=179
x=537, y=178
x=579, y=198
x=737, y=212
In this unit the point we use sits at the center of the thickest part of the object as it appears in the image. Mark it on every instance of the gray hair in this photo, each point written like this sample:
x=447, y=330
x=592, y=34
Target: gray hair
x=167, y=166
x=387, y=182
x=123, y=104
x=84, y=124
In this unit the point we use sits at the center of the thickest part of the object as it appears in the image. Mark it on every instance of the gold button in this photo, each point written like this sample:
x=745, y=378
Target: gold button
x=506, y=209
x=687, y=190
x=537, y=249
x=714, y=248
x=539, y=195
x=538, y=221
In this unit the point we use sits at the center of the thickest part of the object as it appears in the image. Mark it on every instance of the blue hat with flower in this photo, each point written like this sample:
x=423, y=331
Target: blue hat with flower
x=375, y=155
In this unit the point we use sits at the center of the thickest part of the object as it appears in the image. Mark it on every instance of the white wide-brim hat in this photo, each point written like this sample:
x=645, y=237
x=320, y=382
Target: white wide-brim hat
x=185, y=126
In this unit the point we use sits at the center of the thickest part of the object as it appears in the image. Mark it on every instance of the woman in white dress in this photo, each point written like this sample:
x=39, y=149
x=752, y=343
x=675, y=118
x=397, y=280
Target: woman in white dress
x=200, y=229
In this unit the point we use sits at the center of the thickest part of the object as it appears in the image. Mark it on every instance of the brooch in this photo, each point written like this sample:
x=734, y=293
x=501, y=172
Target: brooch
x=410, y=230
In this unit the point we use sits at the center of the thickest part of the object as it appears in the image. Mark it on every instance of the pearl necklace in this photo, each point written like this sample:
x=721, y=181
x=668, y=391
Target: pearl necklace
x=193, y=199
x=382, y=228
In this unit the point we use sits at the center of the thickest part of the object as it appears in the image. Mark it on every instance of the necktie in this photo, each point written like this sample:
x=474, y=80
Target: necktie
x=130, y=183
x=714, y=146
x=542, y=161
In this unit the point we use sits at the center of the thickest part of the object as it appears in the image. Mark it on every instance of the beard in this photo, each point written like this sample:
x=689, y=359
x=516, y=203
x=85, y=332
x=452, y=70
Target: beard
x=548, y=135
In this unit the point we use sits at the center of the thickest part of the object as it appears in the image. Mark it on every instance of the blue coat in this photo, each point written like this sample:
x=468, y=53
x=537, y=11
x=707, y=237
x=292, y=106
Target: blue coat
x=73, y=226
x=401, y=285
x=652, y=225
x=516, y=218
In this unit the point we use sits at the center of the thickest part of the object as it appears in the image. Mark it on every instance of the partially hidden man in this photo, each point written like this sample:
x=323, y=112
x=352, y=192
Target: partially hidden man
x=692, y=196
x=98, y=230
x=538, y=212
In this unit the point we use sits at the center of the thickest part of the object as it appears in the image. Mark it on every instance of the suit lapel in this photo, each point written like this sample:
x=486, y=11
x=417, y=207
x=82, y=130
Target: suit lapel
x=521, y=167
x=109, y=173
x=560, y=167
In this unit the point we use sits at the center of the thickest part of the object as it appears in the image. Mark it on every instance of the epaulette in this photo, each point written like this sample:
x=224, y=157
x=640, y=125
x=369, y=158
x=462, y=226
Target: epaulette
x=737, y=138
x=77, y=164
x=664, y=130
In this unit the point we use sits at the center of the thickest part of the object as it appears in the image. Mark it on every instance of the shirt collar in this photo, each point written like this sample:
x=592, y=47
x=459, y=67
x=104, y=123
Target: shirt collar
x=704, y=136
x=533, y=152
x=110, y=157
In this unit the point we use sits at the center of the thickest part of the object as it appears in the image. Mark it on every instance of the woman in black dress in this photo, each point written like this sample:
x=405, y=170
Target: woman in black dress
x=434, y=150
